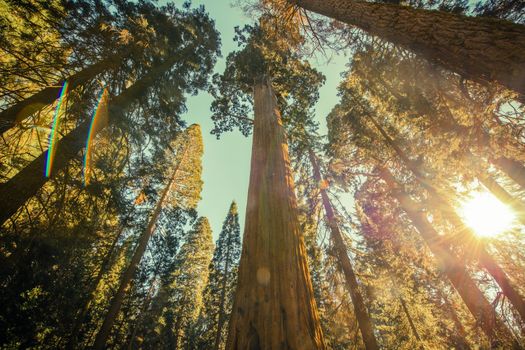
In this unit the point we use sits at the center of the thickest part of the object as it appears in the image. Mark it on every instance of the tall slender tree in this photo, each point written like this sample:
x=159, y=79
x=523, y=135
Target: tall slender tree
x=184, y=175
x=219, y=292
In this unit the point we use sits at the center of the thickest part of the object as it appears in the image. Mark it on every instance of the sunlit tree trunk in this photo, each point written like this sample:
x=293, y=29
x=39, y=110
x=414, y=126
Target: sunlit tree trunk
x=363, y=319
x=116, y=302
x=25, y=108
x=480, y=49
x=29, y=180
x=450, y=265
x=274, y=307
x=466, y=234
x=513, y=169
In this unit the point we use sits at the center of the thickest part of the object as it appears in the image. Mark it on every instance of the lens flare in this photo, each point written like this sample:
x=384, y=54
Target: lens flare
x=486, y=215
x=98, y=122
x=54, y=130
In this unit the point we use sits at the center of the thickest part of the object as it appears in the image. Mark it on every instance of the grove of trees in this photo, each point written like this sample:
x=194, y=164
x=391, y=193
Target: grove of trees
x=395, y=221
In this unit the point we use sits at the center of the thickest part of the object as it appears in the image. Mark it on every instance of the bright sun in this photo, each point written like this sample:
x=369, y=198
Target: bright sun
x=486, y=215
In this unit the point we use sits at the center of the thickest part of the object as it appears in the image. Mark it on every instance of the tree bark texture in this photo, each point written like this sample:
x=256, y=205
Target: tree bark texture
x=274, y=306
x=116, y=303
x=29, y=180
x=361, y=312
x=480, y=49
x=451, y=265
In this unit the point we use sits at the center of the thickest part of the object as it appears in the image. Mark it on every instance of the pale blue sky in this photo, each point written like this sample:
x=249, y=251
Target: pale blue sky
x=226, y=162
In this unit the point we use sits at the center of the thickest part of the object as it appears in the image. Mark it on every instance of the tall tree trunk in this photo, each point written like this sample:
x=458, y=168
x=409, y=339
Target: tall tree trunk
x=29, y=180
x=220, y=321
x=452, y=311
x=410, y=320
x=480, y=49
x=465, y=233
x=104, y=332
x=25, y=108
x=363, y=319
x=450, y=265
x=512, y=168
x=72, y=343
x=274, y=307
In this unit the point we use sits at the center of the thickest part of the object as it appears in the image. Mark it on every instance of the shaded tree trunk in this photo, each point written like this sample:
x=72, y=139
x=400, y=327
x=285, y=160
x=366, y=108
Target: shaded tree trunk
x=452, y=267
x=465, y=234
x=274, y=307
x=363, y=319
x=116, y=303
x=480, y=49
x=410, y=320
x=29, y=180
x=87, y=302
x=25, y=108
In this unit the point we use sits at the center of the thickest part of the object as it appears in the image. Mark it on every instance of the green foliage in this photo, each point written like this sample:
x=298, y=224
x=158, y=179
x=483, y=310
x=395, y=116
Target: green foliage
x=295, y=82
x=219, y=292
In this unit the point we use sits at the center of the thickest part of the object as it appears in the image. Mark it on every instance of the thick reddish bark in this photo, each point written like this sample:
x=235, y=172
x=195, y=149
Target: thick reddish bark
x=29, y=180
x=363, y=319
x=453, y=268
x=480, y=49
x=274, y=307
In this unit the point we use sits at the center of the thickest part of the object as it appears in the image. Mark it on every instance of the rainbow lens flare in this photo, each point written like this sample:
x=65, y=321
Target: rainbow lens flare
x=54, y=130
x=98, y=122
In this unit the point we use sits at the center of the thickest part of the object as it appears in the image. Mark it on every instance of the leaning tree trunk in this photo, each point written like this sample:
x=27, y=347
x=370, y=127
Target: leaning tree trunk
x=451, y=265
x=86, y=303
x=480, y=49
x=25, y=108
x=29, y=180
x=274, y=307
x=114, y=308
x=363, y=319
x=466, y=234
x=410, y=321
x=512, y=168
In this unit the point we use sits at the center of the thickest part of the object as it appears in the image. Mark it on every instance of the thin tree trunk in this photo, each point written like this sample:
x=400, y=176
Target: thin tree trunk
x=220, y=322
x=104, y=332
x=465, y=234
x=451, y=265
x=363, y=319
x=72, y=344
x=274, y=307
x=463, y=345
x=410, y=321
x=480, y=49
x=29, y=180
x=512, y=168
x=25, y=108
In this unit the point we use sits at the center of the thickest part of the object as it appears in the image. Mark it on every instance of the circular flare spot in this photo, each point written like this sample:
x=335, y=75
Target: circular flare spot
x=263, y=276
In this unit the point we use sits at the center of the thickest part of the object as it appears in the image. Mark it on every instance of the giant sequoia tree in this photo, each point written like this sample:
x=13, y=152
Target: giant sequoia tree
x=278, y=304
x=480, y=49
